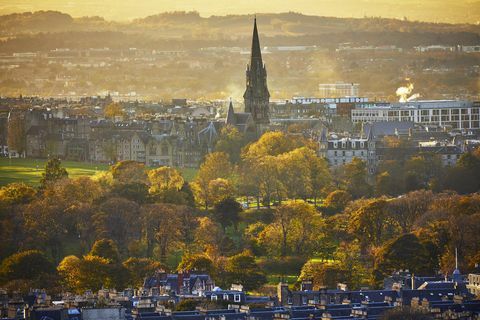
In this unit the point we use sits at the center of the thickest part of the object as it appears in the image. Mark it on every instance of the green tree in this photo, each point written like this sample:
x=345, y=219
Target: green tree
x=106, y=249
x=53, y=172
x=227, y=211
x=243, y=269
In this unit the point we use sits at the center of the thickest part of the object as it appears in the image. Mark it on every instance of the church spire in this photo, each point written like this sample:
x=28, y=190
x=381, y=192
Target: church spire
x=256, y=96
x=256, y=55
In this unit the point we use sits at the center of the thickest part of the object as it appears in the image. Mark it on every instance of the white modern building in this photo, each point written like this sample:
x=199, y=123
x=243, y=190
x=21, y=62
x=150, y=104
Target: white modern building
x=338, y=89
x=445, y=113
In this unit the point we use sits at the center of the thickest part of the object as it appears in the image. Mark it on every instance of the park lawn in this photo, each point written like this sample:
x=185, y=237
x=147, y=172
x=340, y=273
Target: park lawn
x=30, y=171
x=274, y=279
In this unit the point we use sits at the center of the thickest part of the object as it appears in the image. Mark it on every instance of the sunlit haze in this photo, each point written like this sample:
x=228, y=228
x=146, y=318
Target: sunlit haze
x=426, y=10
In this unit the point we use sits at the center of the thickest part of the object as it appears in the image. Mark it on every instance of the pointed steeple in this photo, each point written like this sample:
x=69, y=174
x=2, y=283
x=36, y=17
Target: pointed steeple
x=230, y=114
x=256, y=96
x=256, y=55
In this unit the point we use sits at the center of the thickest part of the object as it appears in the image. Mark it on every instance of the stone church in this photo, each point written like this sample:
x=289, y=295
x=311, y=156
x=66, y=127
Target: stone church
x=256, y=97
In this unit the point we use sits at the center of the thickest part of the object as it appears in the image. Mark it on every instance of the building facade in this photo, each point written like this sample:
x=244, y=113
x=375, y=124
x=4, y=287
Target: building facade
x=444, y=113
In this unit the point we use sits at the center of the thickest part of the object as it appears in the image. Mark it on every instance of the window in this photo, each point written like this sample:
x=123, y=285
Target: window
x=236, y=298
x=225, y=296
x=213, y=297
x=304, y=300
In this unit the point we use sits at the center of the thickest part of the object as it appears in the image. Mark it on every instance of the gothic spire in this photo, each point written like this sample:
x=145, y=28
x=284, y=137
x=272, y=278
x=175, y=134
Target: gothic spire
x=256, y=52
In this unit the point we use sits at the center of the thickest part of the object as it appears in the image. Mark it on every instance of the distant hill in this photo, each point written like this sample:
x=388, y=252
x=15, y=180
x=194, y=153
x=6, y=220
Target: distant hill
x=44, y=30
x=181, y=23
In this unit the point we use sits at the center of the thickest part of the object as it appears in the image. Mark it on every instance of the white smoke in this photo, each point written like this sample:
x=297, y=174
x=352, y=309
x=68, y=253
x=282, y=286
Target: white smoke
x=404, y=92
x=413, y=97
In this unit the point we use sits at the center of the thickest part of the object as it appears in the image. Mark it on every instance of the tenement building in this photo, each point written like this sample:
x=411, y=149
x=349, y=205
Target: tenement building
x=444, y=113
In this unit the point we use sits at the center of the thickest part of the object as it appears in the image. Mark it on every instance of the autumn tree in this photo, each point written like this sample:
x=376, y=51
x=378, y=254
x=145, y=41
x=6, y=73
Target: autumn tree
x=337, y=200
x=242, y=269
x=167, y=185
x=323, y=274
x=163, y=179
x=118, y=219
x=25, y=265
x=140, y=268
x=106, y=249
x=216, y=165
x=164, y=227
x=297, y=228
x=208, y=234
x=230, y=141
x=412, y=206
x=404, y=252
x=113, y=110
x=196, y=263
x=129, y=171
x=355, y=178
x=17, y=193
x=371, y=223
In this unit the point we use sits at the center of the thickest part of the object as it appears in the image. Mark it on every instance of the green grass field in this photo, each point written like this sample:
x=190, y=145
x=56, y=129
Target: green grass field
x=30, y=170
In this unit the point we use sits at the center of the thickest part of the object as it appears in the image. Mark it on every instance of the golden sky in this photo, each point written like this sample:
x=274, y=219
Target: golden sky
x=427, y=10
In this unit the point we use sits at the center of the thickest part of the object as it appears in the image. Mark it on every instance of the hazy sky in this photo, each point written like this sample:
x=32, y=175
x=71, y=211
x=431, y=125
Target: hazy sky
x=429, y=10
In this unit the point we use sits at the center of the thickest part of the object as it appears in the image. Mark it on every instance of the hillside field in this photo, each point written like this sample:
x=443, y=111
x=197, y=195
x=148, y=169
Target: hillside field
x=30, y=170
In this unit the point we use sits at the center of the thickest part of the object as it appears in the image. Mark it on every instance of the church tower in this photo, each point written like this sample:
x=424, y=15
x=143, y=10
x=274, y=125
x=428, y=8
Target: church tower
x=256, y=95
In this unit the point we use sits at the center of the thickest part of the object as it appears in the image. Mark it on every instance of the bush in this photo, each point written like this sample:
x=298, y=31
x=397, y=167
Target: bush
x=282, y=266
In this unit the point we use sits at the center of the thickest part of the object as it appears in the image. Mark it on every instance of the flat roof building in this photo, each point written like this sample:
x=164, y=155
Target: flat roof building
x=444, y=113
